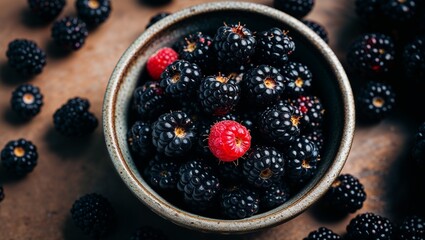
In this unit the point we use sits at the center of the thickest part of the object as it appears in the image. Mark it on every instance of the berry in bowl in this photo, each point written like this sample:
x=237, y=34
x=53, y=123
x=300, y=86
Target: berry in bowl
x=228, y=117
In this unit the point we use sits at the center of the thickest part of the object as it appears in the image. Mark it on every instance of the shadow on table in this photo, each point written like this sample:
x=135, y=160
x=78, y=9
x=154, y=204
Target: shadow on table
x=29, y=19
x=10, y=77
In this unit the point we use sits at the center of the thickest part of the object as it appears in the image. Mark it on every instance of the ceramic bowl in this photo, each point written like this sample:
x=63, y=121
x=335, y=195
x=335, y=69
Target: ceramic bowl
x=330, y=81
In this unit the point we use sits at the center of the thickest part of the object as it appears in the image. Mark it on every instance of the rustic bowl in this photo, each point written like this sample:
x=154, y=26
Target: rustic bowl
x=330, y=81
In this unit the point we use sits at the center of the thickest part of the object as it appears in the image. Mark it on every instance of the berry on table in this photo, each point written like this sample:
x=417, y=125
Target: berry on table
x=139, y=138
x=414, y=60
x=318, y=29
x=47, y=10
x=311, y=110
x=239, y=202
x=229, y=140
x=25, y=57
x=274, y=47
x=375, y=101
x=412, y=228
x=1, y=193
x=69, y=33
x=148, y=233
x=197, y=48
x=159, y=61
x=149, y=101
x=26, y=101
x=302, y=160
x=369, y=226
x=322, y=234
x=93, y=12
x=154, y=19
x=93, y=214
x=181, y=79
x=19, y=156
x=297, y=78
x=275, y=195
x=162, y=173
x=295, y=8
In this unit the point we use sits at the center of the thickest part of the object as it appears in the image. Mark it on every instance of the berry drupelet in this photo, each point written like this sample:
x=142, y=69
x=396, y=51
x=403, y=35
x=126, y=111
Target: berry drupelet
x=218, y=94
x=346, y=195
x=73, y=119
x=19, y=156
x=154, y=19
x=173, y=134
x=149, y=101
x=181, y=79
x=398, y=11
x=412, y=228
x=318, y=29
x=274, y=47
x=369, y=226
x=263, y=166
x=414, y=60
x=139, y=138
x=375, y=101
x=372, y=53
x=239, y=202
x=26, y=101
x=148, y=233
x=93, y=12
x=297, y=78
x=311, y=110
x=69, y=33
x=418, y=149
x=46, y=10
x=275, y=195
x=25, y=57
x=197, y=48
x=317, y=137
x=322, y=234
x=162, y=173
x=302, y=160
x=93, y=214
x=295, y=8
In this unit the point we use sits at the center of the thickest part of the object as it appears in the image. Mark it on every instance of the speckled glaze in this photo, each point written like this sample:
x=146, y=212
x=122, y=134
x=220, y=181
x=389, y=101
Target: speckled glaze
x=330, y=80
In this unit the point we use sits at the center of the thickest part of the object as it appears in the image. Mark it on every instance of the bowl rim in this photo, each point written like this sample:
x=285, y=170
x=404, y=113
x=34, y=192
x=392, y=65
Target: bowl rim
x=193, y=221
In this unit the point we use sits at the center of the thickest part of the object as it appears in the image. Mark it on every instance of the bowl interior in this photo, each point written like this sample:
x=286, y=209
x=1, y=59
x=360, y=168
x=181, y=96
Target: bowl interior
x=329, y=81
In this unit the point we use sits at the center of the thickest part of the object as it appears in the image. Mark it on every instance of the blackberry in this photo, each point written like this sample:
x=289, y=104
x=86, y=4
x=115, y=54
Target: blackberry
x=73, y=119
x=418, y=150
x=368, y=9
x=263, y=166
x=219, y=94
x=263, y=85
x=148, y=233
x=173, y=134
x=230, y=171
x=318, y=29
x=193, y=109
x=46, y=10
x=239, y=202
x=280, y=123
x=274, y=47
x=203, y=129
x=93, y=214
x=295, y=8
x=26, y=101
x=156, y=18
x=297, y=78
x=139, y=138
x=346, y=195
x=302, y=159
x=162, y=173
x=229, y=116
x=400, y=11
x=234, y=45
x=275, y=195
x=1, y=193
x=25, y=57
x=375, y=101
x=198, y=184
x=19, y=156
x=311, y=110
x=414, y=60
x=197, y=48
x=322, y=234
x=69, y=33
x=317, y=137
x=181, y=79
x=369, y=226
x=371, y=53
x=149, y=101
x=93, y=12
x=412, y=228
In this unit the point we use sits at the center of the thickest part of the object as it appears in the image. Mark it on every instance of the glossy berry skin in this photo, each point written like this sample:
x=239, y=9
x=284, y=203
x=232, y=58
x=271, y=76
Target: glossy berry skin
x=297, y=79
x=25, y=57
x=375, y=101
x=46, y=10
x=26, y=101
x=400, y=11
x=274, y=196
x=181, y=79
x=239, y=202
x=414, y=60
x=156, y=18
x=162, y=173
x=274, y=47
x=369, y=226
x=302, y=160
x=318, y=29
x=311, y=110
x=149, y=101
x=69, y=33
x=197, y=48
x=148, y=233
x=19, y=157
x=322, y=234
x=412, y=228
x=93, y=12
x=173, y=134
x=295, y=8
x=139, y=138
x=159, y=61
x=229, y=140
x=317, y=137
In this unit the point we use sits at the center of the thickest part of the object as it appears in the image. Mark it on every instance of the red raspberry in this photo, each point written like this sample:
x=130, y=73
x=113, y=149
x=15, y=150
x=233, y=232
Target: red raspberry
x=160, y=60
x=229, y=140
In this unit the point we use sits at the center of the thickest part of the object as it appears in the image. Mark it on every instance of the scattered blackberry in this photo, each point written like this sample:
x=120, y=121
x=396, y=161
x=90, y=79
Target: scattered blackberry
x=318, y=29
x=371, y=53
x=149, y=101
x=375, y=101
x=219, y=94
x=418, y=150
x=25, y=57
x=317, y=137
x=26, y=101
x=69, y=33
x=280, y=123
x=263, y=85
x=297, y=78
x=239, y=202
x=311, y=110
x=181, y=79
x=19, y=156
x=295, y=8
x=400, y=11
x=197, y=48
x=274, y=47
x=275, y=195
x=93, y=12
x=148, y=233
x=93, y=214
x=322, y=234
x=1, y=193
x=263, y=166
x=198, y=184
x=173, y=134
x=139, y=138
x=302, y=160
x=414, y=59
x=368, y=9
x=73, y=119
x=47, y=10
x=162, y=173
x=412, y=228
x=369, y=226
x=234, y=45
x=230, y=171
x=156, y=18
x=346, y=194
